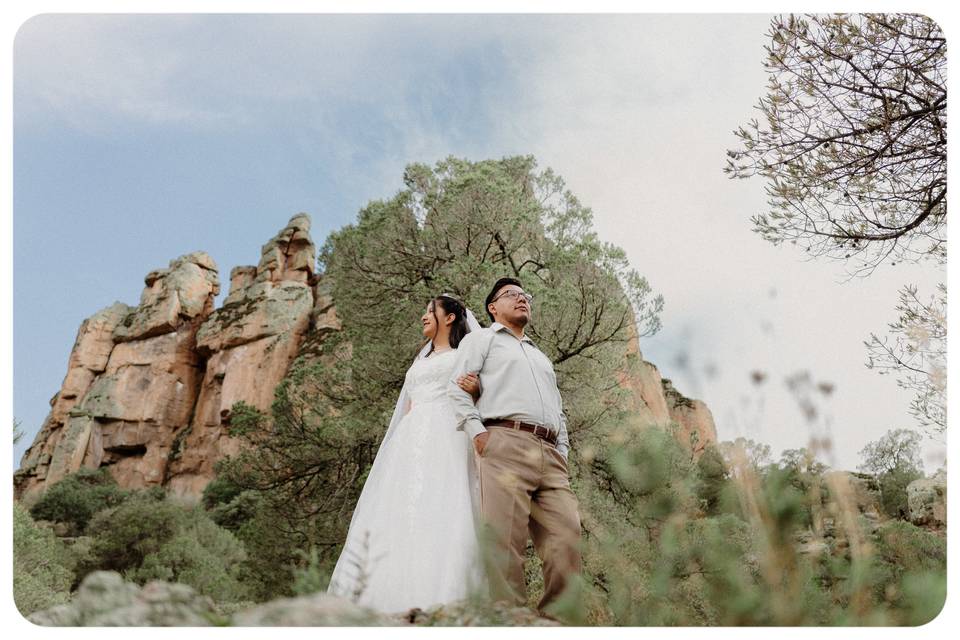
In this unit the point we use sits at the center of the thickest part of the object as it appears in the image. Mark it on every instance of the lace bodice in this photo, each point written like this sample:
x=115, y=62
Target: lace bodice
x=427, y=378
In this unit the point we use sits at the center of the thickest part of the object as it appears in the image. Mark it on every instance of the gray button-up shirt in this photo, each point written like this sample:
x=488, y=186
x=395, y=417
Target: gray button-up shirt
x=517, y=382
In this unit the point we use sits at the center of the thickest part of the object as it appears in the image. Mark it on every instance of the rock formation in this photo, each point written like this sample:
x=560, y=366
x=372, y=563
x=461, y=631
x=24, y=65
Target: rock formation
x=149, y=389
x=248, y=345
x=694, y=420
x=927, y=500
x=131, y=382
x=656, y=402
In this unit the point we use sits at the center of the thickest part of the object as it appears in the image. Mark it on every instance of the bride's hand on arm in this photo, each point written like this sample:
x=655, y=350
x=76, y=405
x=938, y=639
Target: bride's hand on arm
x=470, y=382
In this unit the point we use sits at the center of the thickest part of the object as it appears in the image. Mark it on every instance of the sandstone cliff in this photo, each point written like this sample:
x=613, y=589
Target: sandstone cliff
x=148, y=389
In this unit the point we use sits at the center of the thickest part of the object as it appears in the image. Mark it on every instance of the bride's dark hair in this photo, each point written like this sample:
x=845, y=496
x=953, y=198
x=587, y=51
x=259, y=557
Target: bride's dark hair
x=459, y=328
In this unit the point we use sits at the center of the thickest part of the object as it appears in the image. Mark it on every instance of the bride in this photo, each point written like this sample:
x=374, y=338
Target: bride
x=412, y=540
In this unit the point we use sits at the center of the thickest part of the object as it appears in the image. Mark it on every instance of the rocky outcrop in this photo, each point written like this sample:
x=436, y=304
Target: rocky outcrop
x=88, y=358
x=248, y=345
x=927, y=500
x=149, y=388
x=696, y=428
x=103, y=599
x=656, y=403
x=131, y=383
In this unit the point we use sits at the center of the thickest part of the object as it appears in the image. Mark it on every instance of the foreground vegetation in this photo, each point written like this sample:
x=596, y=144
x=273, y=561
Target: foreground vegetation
x=668, y=541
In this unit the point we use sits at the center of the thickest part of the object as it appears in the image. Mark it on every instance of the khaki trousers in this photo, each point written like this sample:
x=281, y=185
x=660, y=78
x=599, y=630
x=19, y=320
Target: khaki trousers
x=524, y=492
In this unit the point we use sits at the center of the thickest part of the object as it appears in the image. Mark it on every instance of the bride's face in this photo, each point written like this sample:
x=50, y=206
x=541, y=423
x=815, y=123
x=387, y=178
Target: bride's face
x=429, y=320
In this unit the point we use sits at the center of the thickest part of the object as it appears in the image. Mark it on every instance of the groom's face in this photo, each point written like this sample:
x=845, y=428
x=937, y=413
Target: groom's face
x=510, y=307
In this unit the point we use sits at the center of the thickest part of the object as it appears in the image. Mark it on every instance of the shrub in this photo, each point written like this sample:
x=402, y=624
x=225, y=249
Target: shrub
x=220, y=491
x=199, y=554
x=42, y=567
x=77, y=497
x=893, y=489
x=148, y=539
x=313, y=577
x=714, y=480
x=905, y=546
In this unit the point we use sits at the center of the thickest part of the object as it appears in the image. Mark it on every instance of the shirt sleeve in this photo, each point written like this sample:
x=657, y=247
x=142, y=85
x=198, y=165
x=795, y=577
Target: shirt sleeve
x=563, y=442
x=470, y=355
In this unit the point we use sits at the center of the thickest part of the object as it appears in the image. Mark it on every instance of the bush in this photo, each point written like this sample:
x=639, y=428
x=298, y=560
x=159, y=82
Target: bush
x=313, y=577
x=714, y=480
x=893, y=489
x=42, y=567
x=146, y=539
x=199, y=554
x=905, y=546
x=220, y=491
x=77, y=497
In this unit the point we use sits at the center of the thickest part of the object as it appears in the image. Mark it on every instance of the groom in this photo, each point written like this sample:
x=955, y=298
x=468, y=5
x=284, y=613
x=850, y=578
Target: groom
x=520, y=435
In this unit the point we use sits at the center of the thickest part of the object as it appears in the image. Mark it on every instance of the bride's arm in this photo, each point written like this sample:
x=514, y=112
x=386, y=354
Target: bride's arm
x=470, y=382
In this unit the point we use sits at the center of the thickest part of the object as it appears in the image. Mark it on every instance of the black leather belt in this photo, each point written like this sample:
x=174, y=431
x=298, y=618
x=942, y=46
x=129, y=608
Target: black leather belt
x=538, y=430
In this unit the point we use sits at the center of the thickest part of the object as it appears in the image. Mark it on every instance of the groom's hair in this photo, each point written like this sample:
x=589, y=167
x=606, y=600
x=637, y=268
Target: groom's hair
x=500, y=284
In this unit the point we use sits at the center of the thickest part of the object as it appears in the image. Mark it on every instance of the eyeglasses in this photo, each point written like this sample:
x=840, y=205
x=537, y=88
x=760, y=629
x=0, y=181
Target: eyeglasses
x=513, y=294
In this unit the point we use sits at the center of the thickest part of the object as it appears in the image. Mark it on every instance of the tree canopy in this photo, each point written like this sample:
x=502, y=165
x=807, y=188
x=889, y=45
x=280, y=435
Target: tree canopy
x=852, y=139
x=898, y=448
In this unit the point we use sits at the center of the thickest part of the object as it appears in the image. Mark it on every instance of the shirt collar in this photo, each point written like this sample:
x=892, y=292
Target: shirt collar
x=496, y=326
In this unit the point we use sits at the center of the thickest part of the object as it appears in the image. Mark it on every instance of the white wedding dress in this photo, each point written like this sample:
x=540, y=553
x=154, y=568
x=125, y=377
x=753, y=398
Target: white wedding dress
x=412, y=541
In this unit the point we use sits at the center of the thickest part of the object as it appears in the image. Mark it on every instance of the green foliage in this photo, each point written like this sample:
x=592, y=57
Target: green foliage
x=715, y=481
x=653, y=473
x=42, y=567
x=895, y=460
x=274, y=553
x=147, y=539
x=245, y=419
x=906, y=547
x=77, y=497
x=893, y=490
x=200, y=554
x=909, y=571
x=220, y=491
x=896, y=449
x=313, y=577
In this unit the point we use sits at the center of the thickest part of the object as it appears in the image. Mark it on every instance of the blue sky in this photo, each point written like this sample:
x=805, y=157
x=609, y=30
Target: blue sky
x=141, y=138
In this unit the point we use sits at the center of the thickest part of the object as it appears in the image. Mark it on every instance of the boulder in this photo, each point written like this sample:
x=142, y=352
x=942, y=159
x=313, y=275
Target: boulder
x=315, y=610
x=927, y=500
x=104, y=599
